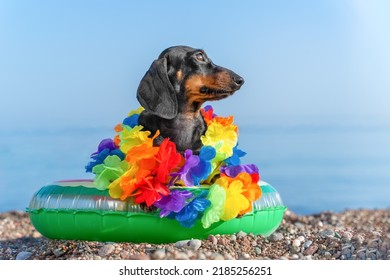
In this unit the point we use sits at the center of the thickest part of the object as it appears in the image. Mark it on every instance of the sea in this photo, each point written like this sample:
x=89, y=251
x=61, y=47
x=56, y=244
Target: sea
x=314, y=167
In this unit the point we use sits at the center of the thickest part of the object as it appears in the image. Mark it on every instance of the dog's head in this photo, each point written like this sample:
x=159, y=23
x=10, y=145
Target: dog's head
x=182, y=79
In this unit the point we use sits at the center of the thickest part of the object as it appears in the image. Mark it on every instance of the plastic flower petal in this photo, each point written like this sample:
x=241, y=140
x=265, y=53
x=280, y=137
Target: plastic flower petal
x=137, y=111
x=189, y=214
x=235, y=201
x=222, y=138
x=217, y=197
x=168, y=158
x=100, y=157
x=130, y=137
x=183, y=173
x=111, y=169
x=150, y=191
x=174, y=202
x=203, y=169
x=131, y=121
x=233, y=171
x=235, y=158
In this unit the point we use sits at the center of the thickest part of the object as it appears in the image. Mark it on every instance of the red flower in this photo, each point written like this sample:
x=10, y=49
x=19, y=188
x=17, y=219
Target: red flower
x=150, y=190
x=168, y=158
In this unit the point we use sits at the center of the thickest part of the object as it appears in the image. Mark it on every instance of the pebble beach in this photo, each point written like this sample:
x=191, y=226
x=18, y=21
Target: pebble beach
x=349, y=235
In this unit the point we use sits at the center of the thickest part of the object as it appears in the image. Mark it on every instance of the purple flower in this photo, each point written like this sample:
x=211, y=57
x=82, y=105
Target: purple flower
x=196, y=168
x=106, y=148
x=184, y=174
x=233, y=171
x=105, y=144
x=174, y=202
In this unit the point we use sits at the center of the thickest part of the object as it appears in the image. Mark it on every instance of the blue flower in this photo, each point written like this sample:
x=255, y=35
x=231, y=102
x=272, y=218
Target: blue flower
x=194, y=209
x=131, y=120
x=235, y=158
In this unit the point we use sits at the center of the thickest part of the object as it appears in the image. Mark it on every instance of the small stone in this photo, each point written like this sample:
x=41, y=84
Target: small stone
x=139, y=257
x=212, y=239
x=301, y=238
x=358, y=239
x=201, y=256
x=310, y=250
x=294, y=249
x=295, y=257
x=326, y=233
x=296, y=243
x=346, y=236
x=59, y=252
x=182, y=244
x=233, y=237
x=307, y=244
x=258, y=250
x=228, y=257
x=159, y=254
x=181, y=256
x=276, y=236
x=241, y=234
x=216, y=256
x=223, y=241
x=23, y=255
x=244, y=256
x=106, y=250
x=194, y=244
x=299, y=226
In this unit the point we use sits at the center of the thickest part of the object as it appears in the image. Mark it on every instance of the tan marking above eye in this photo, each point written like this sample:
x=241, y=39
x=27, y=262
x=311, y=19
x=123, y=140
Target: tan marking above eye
x=179, y=75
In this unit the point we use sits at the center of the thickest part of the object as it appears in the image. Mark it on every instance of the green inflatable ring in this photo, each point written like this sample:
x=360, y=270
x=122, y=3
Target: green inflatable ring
x=75, y=210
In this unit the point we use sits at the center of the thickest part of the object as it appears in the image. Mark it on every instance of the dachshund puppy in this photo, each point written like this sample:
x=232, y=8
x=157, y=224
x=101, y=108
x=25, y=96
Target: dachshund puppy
x=173, y=91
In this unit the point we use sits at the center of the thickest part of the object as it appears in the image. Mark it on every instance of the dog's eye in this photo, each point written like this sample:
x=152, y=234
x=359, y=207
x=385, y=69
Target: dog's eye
x=200, y=57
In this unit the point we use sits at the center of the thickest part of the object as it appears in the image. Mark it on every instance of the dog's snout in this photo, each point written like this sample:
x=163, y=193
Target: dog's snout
x=238, y=80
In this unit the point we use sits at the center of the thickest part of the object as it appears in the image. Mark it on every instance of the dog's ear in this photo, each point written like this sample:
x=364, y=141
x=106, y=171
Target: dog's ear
x=155, y=92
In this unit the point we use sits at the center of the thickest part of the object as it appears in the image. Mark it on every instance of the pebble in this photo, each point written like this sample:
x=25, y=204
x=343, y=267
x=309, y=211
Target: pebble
x=241, y=234
x=327, y=233
x=23, y=255
x=159, y=254
x=276, y=236
x=139, y=257
x=311, y=250
x=355, y=234
x=358, y=239
x=182, y=244
x=297, y=242
x=213, y=239
x=58, y=252
x=216, y=256
x=307, y=244
x=106, y=250
x=194, y=244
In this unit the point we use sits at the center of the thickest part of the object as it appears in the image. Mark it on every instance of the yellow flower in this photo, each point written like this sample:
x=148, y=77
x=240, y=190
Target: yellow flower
x=235, y=201
x=136, y=111
x=130, y=137
x=222, y=138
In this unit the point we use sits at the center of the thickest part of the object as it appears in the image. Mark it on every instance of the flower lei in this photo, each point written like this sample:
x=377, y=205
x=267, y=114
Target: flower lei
x=130, y=167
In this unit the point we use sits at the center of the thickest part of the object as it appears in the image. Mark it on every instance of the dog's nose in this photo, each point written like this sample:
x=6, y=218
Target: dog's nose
x=239, y=81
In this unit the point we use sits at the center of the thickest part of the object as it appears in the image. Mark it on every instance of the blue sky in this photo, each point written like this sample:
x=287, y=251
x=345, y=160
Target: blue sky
x=78, y=63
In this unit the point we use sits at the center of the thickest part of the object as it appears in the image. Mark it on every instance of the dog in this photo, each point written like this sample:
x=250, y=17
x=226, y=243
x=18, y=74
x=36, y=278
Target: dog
x=173, y=90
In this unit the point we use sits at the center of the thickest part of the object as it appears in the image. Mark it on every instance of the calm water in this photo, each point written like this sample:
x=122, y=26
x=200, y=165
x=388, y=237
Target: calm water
x=314, y=168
